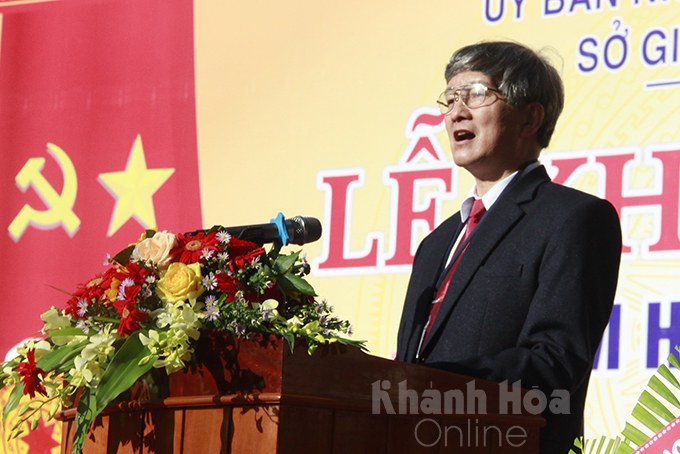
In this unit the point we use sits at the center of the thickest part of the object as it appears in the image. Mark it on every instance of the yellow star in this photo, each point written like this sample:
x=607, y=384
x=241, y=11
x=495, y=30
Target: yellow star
x=133, y=189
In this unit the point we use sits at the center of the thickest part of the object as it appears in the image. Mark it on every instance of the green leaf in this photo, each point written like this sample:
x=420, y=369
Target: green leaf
x=291, y=340
x=123, y=256
x=13, y=399
x=623, y=448
x=592, y=444
x=293, y=283
x=634, y=434
x=85, y=414
x=665, y=372
x=641, y=414
x=120, y=375
x=653, y=404
x=123, y=370
x=284, y=263
x=610, y=445
x=55, y=358
x=273, y=253
x=673, y=360
x=579, y=443
x=657, y=385
x=58, y=289
x=66, y=332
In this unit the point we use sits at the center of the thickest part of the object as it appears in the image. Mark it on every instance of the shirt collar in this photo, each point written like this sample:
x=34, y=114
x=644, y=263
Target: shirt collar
x=492, y=194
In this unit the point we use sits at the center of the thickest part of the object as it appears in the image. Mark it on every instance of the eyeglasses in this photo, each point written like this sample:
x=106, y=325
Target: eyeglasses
x=471, y=95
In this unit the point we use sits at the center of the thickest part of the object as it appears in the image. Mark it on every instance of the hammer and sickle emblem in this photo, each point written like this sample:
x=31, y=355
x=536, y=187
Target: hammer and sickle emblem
x=60, y=211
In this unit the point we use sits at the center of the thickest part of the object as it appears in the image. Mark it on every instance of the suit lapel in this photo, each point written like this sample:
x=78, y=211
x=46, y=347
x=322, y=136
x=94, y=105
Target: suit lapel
x=501, y=218
x=431, y=262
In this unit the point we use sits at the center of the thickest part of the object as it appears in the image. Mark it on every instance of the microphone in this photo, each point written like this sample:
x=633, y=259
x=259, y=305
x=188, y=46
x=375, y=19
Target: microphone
x=298, y=230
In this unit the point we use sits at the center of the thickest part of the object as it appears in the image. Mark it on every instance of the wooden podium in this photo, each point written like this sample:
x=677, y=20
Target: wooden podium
x=244, y=396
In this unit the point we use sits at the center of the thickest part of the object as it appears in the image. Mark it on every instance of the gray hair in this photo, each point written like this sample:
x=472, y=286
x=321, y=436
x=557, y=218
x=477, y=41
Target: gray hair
x=522, y=76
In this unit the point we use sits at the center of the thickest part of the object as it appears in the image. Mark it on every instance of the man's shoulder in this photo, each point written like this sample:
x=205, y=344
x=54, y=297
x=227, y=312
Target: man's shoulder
x=536, y=187
x=559, y=205
x=560, y=195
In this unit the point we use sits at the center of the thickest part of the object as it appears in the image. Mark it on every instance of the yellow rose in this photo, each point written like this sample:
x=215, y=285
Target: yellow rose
x=157, y=249
x=181, y=282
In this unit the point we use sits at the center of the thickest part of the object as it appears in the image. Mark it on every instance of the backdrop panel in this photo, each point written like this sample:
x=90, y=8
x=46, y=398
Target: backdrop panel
x=326, y=110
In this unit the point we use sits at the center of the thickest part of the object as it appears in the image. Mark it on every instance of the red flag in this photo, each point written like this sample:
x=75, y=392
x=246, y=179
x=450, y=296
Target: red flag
x=98, y=142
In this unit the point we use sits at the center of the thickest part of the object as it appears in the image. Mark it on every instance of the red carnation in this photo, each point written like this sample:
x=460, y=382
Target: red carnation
x=227, y=285
x=30, y=375
x=191, y=246
x=242, y=252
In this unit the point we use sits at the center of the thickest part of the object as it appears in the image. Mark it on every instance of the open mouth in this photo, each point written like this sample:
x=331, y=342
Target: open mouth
x=462, y=135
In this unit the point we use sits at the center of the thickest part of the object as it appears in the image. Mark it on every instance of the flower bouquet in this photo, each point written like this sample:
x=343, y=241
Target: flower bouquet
x=147, y=310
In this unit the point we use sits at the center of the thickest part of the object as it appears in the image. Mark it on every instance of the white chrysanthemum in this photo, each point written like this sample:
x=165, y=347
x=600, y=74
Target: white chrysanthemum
x=82, y=307
x=211, y=300
x=206, y=254
x=82, y=325
x=127, y=282
x=134, y=257
x=210, y=281
x=212, y=313
x=223, y=236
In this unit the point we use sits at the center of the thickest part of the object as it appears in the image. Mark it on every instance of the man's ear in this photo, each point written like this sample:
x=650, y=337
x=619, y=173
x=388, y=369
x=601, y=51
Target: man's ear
x=534, y=118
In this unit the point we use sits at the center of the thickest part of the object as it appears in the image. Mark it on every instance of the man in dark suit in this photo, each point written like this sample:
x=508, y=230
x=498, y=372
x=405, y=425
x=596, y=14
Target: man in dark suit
x=535, y=264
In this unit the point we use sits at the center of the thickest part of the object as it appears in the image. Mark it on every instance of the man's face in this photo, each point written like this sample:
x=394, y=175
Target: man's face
x=487, y=140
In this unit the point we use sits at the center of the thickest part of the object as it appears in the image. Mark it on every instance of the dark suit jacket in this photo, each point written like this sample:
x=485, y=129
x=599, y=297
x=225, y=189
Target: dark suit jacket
x=530, y=298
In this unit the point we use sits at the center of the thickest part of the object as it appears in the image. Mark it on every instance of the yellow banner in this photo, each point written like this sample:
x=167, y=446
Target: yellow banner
x=308, y=99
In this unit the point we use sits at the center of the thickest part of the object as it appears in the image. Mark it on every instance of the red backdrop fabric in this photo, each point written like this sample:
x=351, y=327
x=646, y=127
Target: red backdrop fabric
x=111, y=85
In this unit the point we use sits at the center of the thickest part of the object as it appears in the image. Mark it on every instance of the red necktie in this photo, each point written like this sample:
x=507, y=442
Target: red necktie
x=476, y=214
